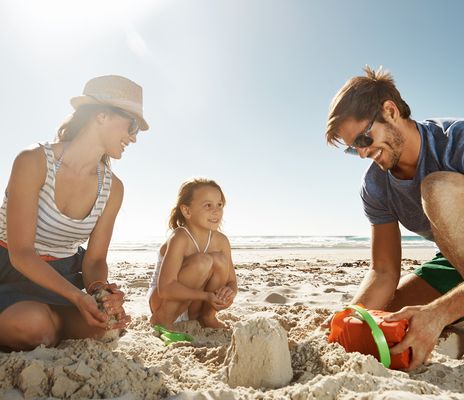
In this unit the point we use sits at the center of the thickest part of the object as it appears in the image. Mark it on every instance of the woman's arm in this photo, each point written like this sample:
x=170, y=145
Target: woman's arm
x=94, y=265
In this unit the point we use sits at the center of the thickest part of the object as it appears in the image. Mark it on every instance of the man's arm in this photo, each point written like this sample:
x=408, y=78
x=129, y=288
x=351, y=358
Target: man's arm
x=379, y=285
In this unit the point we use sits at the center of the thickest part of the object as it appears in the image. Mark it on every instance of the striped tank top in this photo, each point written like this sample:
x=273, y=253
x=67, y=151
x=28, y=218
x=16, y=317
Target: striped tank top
x=58, y=235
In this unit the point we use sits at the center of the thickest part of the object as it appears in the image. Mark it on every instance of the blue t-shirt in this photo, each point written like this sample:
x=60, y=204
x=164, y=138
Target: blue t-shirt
x=388, y=199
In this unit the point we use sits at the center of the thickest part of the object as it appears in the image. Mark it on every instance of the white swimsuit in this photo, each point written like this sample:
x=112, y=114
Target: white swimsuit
x=156, y=272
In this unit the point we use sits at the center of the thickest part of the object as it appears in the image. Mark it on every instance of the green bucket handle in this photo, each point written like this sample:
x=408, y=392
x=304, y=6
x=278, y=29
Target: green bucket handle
x=377, y=334
x=169, y=337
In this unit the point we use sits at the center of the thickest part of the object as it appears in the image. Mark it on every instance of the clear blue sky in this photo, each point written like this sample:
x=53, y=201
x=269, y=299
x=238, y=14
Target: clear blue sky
x=235, y=90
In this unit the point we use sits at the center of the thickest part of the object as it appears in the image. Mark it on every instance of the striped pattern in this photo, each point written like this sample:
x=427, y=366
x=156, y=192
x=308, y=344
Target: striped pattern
x=58, y=235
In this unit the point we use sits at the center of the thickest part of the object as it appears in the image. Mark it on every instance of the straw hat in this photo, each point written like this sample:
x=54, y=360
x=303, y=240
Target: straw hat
x=115, y=91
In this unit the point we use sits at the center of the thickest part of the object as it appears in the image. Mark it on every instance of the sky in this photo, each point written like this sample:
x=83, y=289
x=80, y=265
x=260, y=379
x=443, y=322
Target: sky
x=234, y=90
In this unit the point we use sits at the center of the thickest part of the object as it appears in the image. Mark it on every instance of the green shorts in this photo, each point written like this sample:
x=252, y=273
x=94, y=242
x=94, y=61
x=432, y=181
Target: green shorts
x=439, y=274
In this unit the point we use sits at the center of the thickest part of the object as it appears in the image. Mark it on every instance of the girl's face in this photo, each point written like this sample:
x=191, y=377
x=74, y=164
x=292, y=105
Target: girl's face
x=206, y=209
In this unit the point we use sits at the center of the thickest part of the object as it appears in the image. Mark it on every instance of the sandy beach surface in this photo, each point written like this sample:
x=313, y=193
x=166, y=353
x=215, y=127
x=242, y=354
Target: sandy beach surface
x=273, y=350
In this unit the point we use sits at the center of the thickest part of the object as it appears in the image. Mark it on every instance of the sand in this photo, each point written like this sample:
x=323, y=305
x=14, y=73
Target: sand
x=274, y=349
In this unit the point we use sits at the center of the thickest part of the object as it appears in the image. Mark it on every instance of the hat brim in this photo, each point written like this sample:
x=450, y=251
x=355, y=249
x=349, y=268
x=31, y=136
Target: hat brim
x=78, y=101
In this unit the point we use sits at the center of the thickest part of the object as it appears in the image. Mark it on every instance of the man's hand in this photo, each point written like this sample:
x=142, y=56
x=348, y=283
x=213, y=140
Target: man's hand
x=425, y=326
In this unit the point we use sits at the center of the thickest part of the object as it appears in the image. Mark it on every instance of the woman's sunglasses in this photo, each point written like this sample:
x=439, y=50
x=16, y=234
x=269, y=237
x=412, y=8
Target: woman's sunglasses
x=362, y=140
x=133, y=127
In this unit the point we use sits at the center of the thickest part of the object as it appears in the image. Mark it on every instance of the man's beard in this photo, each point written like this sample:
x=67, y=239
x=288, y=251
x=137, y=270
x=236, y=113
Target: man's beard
x=396, y=142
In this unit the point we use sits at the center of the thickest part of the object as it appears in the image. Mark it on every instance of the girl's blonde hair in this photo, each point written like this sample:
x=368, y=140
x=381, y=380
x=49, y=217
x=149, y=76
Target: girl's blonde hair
x=72, y=125
x=185, y=197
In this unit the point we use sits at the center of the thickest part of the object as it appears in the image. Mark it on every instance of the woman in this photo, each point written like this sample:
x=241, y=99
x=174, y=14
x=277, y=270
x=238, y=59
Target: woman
x=60, y=195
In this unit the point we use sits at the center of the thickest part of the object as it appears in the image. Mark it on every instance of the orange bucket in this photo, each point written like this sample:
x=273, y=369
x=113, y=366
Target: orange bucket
x=354, y=334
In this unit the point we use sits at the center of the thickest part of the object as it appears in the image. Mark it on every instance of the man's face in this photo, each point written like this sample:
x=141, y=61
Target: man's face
x=386, y=148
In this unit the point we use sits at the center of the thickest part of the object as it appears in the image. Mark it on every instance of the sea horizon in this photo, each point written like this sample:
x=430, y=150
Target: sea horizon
x=256, y=242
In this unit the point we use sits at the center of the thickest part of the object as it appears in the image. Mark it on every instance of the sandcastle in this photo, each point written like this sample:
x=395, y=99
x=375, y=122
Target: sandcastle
x=258, y=355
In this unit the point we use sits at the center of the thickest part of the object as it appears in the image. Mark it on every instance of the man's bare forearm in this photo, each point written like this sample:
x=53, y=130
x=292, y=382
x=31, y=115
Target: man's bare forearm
x=376, y=290
x=450, y=306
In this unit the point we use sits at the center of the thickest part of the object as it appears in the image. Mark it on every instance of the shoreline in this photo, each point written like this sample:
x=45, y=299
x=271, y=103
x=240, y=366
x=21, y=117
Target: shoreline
x=239, y=256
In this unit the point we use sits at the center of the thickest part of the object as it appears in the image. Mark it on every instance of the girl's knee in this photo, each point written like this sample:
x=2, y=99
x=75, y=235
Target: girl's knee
x=203, y=262
x=220, y=264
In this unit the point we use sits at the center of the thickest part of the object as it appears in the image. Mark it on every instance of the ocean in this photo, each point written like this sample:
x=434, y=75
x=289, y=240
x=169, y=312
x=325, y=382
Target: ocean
x=280, y=242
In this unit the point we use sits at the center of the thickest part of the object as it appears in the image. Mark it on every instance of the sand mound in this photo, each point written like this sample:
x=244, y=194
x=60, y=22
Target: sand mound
x=258, y=355
x=78, y=369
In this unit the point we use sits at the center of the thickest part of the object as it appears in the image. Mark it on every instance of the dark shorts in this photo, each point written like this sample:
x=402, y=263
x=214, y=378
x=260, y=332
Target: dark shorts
x=15, y=287
x=439, y=274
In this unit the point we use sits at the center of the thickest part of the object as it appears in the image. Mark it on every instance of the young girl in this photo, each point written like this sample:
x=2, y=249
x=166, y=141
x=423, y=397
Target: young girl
x=194, y=277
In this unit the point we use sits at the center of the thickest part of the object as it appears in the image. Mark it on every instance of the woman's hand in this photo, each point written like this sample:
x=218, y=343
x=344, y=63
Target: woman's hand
x=88, y=308
x=113, y=305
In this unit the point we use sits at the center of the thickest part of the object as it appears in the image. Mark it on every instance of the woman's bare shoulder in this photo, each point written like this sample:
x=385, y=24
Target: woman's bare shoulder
x=29, y=168
x=31, y=160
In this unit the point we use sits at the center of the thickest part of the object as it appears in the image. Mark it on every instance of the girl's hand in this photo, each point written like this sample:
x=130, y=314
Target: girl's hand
x=113, y=305
x=88, y=308
x=215, y=301
x=225, y=294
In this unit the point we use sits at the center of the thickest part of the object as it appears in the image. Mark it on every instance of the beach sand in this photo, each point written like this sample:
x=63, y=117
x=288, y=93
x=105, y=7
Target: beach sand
x=274, y=343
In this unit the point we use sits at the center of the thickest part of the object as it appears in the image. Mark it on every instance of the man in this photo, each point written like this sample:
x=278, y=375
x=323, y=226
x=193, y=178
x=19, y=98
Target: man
x=417, y=180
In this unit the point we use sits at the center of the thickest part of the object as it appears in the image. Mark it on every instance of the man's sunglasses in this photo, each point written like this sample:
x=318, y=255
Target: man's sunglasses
x=134, y=126
x=362, y=140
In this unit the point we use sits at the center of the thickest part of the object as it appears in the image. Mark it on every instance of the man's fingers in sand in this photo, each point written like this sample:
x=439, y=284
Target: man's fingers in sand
x=405, y=344
x=419, y=357
x=419, y=353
